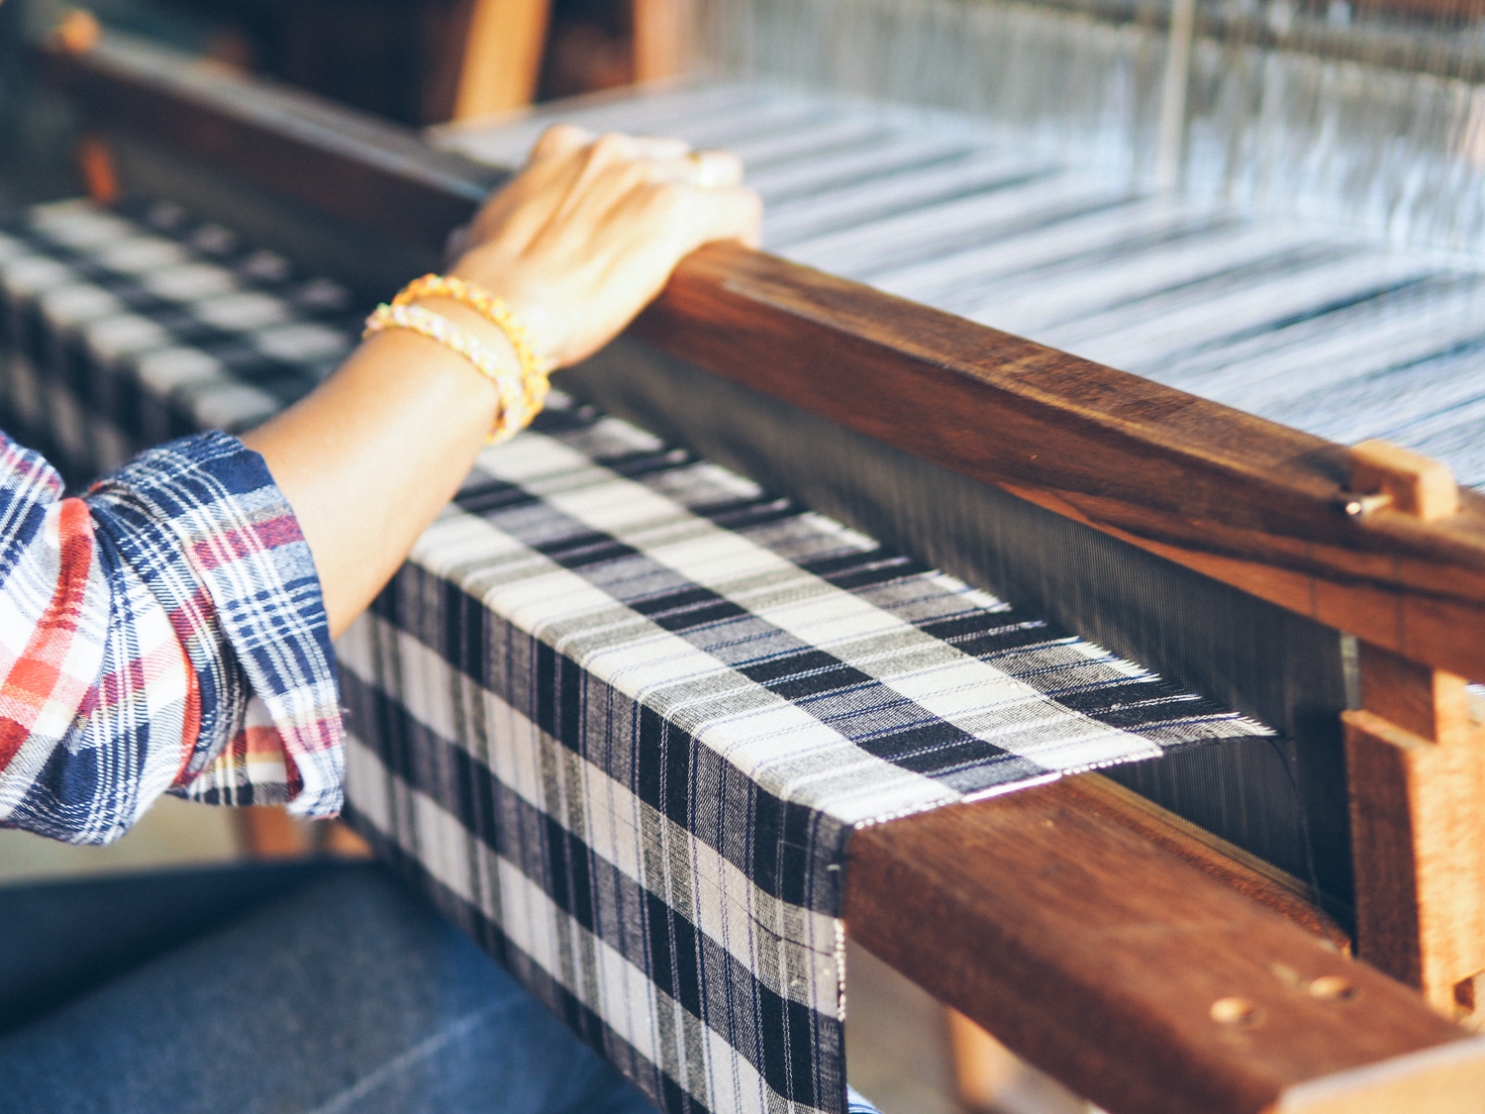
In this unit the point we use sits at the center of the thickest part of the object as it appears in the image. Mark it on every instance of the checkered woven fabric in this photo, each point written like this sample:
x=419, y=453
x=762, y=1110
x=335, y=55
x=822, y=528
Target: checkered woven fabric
x=126, y=329
x=621, y=710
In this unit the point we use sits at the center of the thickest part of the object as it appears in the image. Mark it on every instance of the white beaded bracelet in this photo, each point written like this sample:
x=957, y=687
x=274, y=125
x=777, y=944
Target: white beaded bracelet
x=516, y=409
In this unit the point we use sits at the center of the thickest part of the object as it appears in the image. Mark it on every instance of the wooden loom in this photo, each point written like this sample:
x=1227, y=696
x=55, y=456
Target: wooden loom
x=1135, y=959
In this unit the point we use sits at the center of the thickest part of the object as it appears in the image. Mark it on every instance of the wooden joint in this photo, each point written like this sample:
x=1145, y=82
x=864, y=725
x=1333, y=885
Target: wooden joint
x=1469, y=1002
x=1423, y=701
x=1416, y=776
x=1387, y=475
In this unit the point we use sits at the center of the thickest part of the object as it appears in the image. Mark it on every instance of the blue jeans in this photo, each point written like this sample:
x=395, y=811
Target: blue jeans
x=310, y=989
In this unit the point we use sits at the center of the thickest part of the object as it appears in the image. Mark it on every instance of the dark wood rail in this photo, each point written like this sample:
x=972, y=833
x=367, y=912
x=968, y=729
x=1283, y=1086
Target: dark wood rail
x=340, y=162
x=1246, y=501
x=1107, y=947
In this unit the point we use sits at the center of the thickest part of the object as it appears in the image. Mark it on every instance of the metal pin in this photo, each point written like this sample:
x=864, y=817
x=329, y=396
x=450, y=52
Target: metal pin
x=1358, y=506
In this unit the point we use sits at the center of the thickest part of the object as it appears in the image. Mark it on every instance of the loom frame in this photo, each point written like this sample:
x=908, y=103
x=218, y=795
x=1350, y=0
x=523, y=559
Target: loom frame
x=1246, y=502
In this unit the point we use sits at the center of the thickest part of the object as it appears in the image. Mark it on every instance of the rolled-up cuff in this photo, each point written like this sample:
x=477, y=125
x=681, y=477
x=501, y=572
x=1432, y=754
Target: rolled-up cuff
x=203, y=523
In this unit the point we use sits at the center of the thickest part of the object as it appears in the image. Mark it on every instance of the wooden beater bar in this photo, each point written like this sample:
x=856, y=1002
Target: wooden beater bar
x=1132, y=966
x=1243, y=500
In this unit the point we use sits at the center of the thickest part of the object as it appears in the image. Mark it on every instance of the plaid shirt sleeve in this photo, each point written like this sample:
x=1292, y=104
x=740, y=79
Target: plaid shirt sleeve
x=164, y=633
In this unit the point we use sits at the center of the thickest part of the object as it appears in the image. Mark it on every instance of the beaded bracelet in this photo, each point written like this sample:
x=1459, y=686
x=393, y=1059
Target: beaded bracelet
x=534, y=370
x=515, y=410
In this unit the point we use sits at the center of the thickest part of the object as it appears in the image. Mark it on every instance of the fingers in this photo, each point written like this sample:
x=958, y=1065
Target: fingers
x=717, y=169
x=615, y=170
x=706, y=169
x=557, y=141
x=660, y=147
x=567, y=139
x=592, y=228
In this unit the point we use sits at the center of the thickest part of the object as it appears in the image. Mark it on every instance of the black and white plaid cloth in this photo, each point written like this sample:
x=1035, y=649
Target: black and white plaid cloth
x=621, y=710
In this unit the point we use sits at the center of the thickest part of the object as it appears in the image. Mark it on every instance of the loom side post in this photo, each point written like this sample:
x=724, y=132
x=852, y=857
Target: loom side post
x=1416, y=774
x=1416, y=777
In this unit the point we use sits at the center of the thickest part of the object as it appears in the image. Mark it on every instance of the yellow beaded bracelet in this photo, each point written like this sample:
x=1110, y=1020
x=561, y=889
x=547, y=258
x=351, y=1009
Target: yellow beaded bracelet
x=516, y=409
x=534, y=370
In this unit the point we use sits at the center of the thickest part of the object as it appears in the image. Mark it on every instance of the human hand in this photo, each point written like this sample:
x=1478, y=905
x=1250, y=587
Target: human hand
x=590, y=231
x=576, y=245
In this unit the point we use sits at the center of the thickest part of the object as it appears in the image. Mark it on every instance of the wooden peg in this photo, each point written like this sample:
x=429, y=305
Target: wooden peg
x=95, y=163
x=269, y=832
x=1416, y=775
x=1412, y=483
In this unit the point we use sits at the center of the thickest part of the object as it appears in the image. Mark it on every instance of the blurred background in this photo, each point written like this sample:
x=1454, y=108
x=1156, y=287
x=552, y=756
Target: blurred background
x=399, y=59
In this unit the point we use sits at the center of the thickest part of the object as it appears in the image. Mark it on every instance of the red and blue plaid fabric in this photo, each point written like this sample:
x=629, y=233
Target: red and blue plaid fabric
x=162, y=634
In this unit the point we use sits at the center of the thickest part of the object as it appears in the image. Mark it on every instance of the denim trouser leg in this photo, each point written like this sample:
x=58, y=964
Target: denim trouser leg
x=349, y=995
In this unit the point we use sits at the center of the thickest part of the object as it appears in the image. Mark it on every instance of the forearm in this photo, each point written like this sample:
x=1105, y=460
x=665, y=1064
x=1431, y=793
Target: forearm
x=369, y=459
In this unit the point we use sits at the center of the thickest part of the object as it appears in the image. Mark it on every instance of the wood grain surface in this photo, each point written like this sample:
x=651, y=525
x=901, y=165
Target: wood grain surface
x=1249, y=875
x=345, y=163
x=1126, y=972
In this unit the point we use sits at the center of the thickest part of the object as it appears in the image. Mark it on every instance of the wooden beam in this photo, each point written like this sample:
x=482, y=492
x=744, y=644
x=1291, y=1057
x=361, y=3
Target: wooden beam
x=1246, y=501
x=504, y=44
x=344, y=163
x=1133, y=976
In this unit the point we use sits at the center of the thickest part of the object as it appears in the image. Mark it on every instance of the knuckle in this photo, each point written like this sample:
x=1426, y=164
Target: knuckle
x=556, y=137
x=610, y=148
x=632, y=174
